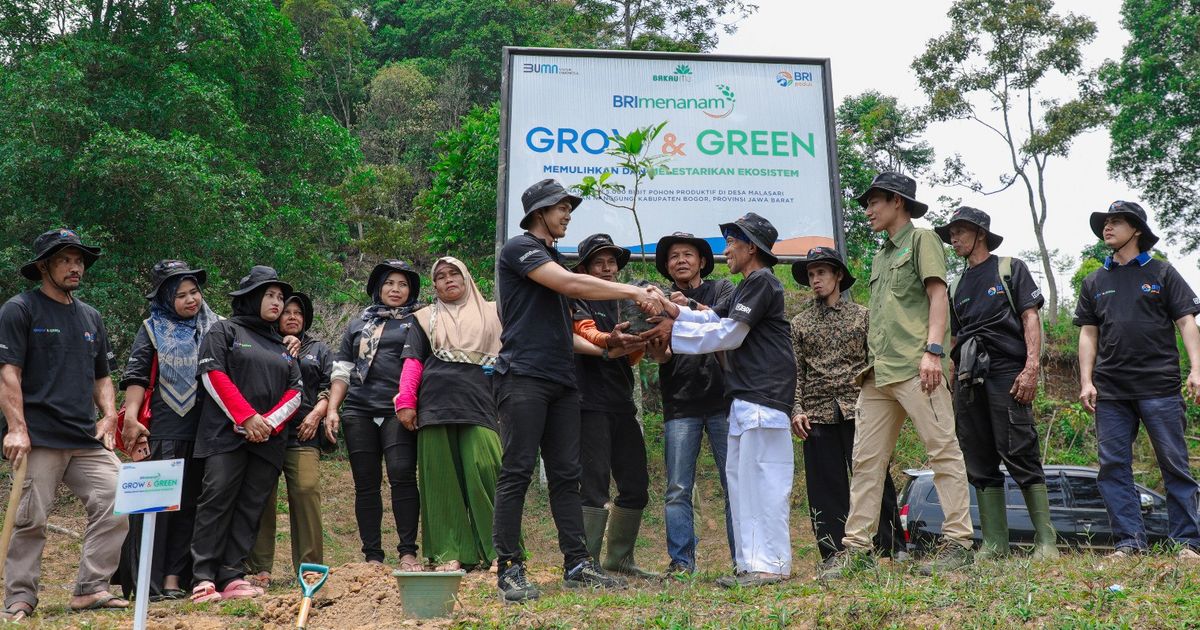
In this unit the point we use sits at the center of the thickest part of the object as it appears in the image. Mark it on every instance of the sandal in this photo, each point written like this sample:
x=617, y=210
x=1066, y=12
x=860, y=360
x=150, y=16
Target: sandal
x=105, y=601
x=410, y=564
x=205, y=592
x=240, y=589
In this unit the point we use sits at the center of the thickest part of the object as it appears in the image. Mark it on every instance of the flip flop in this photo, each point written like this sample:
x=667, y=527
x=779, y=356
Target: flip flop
x=240, y=589
x=205, y=592
x=104, y=602
x=412, y=566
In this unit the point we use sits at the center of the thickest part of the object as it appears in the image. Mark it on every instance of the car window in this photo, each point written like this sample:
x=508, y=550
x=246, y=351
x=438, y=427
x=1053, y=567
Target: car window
x=1085, y=492
x=1055, y=492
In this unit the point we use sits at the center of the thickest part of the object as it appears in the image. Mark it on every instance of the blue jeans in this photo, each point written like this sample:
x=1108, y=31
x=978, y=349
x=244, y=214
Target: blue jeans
x=1116, y=428
x=681, y=437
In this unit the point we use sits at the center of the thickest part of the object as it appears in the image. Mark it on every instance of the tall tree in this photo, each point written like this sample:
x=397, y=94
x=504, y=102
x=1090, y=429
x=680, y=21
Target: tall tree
x=1001, y=52
x=677, y=25
x=1155, y=90
x=333, y=46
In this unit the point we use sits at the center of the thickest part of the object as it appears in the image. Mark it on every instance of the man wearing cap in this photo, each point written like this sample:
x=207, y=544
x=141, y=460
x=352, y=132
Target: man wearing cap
x=1129, y=374
x=693, y=395
x=54, y=372
x=760, y=378
x=536, y=391
x=997, y=351
x=905, y=377
x=610, y=438
x=829, y=340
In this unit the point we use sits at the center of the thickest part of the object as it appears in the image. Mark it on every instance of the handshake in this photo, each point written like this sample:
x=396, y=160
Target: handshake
x=653, y=318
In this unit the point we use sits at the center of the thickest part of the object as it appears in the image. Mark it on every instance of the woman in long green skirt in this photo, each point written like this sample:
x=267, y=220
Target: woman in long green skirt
x=447, y=398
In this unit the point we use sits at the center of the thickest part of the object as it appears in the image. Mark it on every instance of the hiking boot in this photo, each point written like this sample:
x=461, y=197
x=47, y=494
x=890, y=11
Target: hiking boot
x=514, y=586
x=951, y=557
x=1045, y=539
x=993, y=520
x=1124, y=552
x=679, y=570
x=586, y=573
x=844, y=563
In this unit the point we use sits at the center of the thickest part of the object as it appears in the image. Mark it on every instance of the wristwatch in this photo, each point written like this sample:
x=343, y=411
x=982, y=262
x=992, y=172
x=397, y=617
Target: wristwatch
x=935, y=348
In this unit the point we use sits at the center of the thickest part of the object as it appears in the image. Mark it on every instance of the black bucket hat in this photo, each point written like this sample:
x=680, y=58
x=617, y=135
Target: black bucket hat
x=164, y=270
x=49, y=243
x=825, y=256
x=595, y=244
x=1131, y=211
x=381, y=271
x=260, y=275
x=900, y=184
x=664, y=248
x=545, y=194
x=758, y=230
x=976, y=217
x=306, y=308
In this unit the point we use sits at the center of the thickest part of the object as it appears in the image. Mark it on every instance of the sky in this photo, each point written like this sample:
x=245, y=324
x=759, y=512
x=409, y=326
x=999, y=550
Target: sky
x=851, y=33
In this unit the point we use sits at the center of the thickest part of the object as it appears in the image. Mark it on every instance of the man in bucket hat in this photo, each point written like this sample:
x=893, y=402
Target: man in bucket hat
x=761, y=380
x=997, y=351
x=612, y=449
x=693, y=396
x=905, y=376
x=829, y=339
x=537, y=394
x=54, y=371
x=1128, y=312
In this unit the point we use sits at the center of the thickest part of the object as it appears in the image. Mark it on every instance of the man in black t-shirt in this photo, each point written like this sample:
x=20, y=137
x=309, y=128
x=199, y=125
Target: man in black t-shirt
x=997, y=344
x=612, y=448
x=1128, y=312
x=693, y=393
x=536, y=393
x=761, y=379
x=54, y=372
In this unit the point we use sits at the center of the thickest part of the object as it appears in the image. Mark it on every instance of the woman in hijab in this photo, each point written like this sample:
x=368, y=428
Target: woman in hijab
x=252, y=388
x=166, y=350
x=458, y=449
x=366, y=368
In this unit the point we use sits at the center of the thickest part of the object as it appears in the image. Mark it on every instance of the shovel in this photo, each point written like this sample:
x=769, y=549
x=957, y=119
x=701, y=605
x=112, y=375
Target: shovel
x=10, y=516
x=309, y=589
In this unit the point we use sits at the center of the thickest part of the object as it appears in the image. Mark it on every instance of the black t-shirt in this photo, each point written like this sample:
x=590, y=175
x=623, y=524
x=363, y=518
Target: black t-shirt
x=372, y=398
x=980, y=309
x=263, y=372
x=61, y=349
x=451, y=392
x=692, y=384
x=604, y=384
x=536, y=339
x=763, y=369
x=316, y=364
x=1135, y=307
x=165, y=424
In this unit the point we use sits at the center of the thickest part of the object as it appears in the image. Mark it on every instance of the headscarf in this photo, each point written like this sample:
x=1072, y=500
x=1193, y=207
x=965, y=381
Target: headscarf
x=466, y=330
x=376, y=317
x=177, y=341
x=247, y=312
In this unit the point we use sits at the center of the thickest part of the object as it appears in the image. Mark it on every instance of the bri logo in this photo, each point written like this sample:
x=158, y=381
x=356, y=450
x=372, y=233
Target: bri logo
x=798, y=78
x=286, y=357
x=1151, y=289
x=996, y=290
x=89, y=337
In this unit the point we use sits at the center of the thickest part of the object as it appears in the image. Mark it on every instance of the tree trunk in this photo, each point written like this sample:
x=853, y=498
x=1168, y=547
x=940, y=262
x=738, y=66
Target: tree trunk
x=1051, y=283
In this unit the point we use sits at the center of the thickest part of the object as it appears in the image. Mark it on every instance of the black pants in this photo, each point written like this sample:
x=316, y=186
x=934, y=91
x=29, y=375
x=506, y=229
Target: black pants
x=828, y=458
x=172, y=530
x=611, y=445
x=992, y=428
x=236, y=489
x=535, y=413
x=368, y=443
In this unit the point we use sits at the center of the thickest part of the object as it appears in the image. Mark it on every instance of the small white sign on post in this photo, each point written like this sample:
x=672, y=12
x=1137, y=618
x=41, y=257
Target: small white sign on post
x=148, y=488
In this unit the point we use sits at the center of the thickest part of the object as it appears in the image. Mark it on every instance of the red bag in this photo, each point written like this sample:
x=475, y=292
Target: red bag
x=132, y=450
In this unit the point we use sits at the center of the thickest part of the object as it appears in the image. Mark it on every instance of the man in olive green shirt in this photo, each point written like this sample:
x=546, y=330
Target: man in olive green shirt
x=906, y=375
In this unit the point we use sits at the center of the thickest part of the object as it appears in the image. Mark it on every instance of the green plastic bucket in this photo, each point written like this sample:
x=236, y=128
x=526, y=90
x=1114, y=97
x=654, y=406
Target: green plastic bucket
x=428, y=594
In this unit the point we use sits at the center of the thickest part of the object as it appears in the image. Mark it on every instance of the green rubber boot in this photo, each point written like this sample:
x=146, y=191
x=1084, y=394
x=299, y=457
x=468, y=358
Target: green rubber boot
x=622, y=536
x=993, y=519
x=594, y=521
x=1044, y=536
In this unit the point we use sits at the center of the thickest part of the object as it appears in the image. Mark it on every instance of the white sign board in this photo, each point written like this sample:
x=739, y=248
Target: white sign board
x=744, y=134
x=149, y=486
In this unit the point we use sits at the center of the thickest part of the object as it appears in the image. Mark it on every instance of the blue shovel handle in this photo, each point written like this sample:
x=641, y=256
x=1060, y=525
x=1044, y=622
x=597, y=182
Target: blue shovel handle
x=310, y=589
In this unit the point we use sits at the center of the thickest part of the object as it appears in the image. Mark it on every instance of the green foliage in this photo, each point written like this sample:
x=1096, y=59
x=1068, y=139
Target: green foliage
x=672, y=25
x=1085, y=269
x=333, y=49
x=1155, y=92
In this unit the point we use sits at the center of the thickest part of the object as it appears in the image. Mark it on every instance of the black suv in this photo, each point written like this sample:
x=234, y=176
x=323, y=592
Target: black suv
x=1076, y=509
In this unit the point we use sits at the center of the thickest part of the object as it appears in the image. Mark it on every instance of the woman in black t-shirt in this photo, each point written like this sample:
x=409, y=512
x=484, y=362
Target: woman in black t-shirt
x=252, y=386
x=166, y=350
x=366, y=369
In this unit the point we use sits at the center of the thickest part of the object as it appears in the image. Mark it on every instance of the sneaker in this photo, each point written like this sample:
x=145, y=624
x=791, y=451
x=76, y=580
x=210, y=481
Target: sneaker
x=587, y=573
x=750, y=579
x=1124, y=552
x=844, y=563
x=951, y=557
x=679, y=570
x=514, y=586
x=1188, y=554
